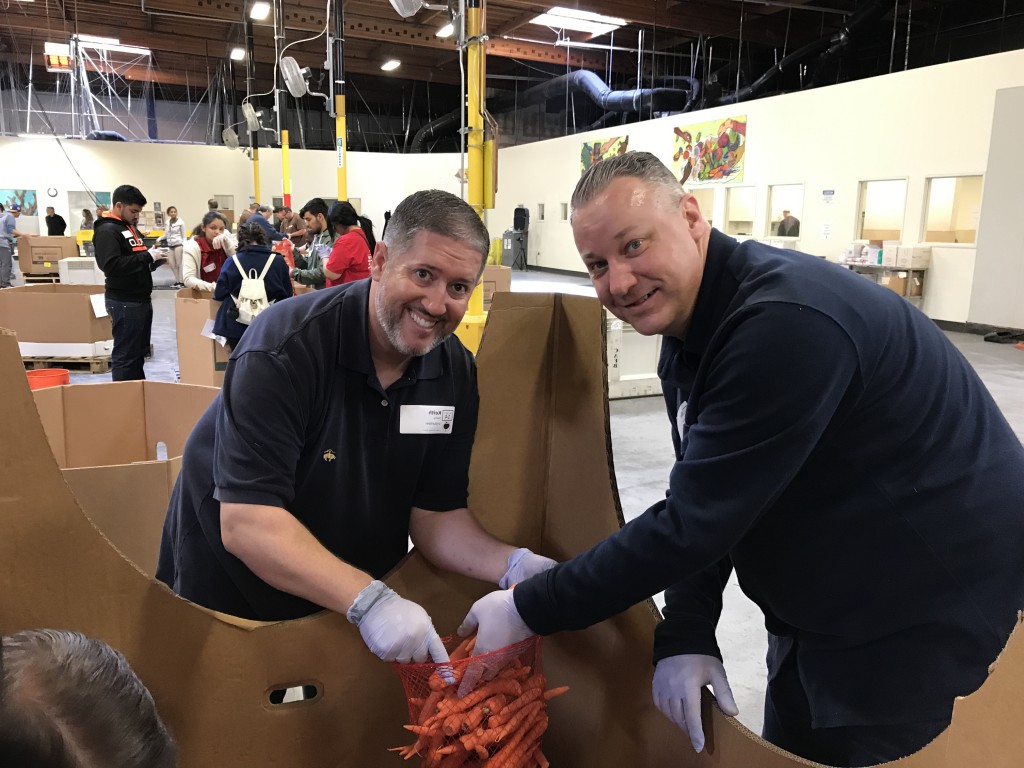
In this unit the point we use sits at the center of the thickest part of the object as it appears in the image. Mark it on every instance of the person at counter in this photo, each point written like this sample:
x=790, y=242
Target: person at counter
x=833, y=447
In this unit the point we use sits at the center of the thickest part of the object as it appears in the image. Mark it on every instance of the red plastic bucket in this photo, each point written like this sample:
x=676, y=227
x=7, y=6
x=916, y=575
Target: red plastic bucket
x=48, y=377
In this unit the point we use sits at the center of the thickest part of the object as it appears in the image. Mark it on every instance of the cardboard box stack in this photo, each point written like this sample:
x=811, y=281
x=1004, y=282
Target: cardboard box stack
x=40, y=255
x=57, y=320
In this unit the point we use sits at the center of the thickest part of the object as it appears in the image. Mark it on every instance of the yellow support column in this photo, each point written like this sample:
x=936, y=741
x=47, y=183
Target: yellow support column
x=475, y=105
x=286, y=171
x=256, y=172
x=339, y=137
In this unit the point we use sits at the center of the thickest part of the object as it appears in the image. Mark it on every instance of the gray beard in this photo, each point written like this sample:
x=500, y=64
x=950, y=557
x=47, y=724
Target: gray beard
x=390, y=322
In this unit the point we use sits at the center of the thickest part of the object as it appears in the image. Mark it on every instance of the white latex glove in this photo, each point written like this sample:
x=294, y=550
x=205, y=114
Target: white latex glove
x=394, y=628
x=522, y=564
x=219, y=240
x=497, y=624
x=676, y=688
x=159, y=253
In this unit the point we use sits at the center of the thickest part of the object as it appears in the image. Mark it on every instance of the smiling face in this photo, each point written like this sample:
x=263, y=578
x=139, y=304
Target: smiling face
x=419, y=296
x=172, y=212
x=644, y=249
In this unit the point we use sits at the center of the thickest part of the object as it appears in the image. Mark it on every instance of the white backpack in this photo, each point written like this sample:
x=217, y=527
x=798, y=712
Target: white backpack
x=252, y=296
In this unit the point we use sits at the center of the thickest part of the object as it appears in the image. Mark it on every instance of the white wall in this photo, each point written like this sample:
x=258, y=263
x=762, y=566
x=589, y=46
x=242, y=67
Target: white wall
x=187, y=175
x=997, y=297
x=900, y=125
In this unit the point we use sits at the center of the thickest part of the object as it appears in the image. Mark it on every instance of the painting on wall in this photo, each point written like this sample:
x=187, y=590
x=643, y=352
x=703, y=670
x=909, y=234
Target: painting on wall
x=710, y=152
x=26, y=198
x=593, y=152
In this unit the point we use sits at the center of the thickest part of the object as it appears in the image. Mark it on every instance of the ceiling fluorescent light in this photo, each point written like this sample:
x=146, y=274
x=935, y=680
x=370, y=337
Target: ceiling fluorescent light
x=111, y=45
x=259, y=11
x=390, y=65
x=98, y=40
x=580, y=21
x=237, y=54
x=446, y=31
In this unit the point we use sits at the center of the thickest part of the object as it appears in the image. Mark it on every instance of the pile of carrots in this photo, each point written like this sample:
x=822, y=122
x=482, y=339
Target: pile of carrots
x=499, y=724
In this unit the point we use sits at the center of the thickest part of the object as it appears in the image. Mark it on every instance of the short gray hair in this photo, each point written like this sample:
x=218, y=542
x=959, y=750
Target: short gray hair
x=442, y=213
x=70, y=701
x=637, y=165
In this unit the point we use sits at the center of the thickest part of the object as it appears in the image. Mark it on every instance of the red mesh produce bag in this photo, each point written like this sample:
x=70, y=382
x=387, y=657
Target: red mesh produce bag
x=499, y=723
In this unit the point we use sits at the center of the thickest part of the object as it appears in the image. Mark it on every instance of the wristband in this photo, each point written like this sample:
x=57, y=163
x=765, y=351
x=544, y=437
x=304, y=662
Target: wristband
x=365, y=600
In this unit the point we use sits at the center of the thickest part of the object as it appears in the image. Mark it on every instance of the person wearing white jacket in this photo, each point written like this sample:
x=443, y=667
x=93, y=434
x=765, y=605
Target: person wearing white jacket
x=174, y=233
x=205, y=253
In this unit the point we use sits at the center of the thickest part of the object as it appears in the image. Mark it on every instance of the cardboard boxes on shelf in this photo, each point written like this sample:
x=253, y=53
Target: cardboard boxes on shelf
x=201, y=359
x=57, y=320
x=40, y=255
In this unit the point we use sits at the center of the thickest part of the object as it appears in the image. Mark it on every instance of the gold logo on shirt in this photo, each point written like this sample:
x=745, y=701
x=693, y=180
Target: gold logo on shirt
x=329, y=455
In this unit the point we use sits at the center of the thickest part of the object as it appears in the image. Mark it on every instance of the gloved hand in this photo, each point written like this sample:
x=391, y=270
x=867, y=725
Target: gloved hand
x=158, y=253
x=522, y=564
x=219, y=240
x=497, y=624
x=676, y=688
x=394, y=628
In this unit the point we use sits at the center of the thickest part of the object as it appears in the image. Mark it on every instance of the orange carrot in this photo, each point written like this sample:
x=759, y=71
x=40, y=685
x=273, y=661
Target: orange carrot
x=553, y=692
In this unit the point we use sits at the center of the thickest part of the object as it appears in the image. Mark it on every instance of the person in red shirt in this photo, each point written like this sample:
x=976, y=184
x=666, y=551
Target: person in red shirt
x=350, y=257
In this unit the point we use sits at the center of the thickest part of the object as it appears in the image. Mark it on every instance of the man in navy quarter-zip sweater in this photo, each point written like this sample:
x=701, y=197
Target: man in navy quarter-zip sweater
x=833, y=447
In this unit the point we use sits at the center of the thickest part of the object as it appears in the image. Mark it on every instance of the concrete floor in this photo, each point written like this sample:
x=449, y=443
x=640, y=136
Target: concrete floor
x=643, y=456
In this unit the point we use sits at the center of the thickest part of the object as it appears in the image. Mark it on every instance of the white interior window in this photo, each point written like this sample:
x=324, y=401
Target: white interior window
x=952, y=207
x=880, y=212
x=739, y=211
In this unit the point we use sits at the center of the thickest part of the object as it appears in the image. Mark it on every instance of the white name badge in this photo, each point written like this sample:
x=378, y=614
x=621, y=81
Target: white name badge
x=426, y=419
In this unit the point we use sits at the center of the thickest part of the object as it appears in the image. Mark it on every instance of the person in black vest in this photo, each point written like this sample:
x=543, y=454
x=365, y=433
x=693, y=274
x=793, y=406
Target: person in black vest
x=833, y=447
x=128, y=268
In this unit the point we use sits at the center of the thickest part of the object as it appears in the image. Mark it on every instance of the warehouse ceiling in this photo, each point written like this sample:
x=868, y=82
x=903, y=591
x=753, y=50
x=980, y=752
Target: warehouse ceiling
x=708, y=49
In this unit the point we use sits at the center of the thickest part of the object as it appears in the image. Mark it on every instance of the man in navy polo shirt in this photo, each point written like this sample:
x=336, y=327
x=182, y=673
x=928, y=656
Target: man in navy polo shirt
x=344, y=427
x=833, y=447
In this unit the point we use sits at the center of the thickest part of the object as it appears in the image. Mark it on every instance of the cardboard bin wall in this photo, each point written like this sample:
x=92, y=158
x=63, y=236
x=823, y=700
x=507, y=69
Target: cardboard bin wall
x=201, y=360
x=53, y=314
x=535, y=466
x=106, y=439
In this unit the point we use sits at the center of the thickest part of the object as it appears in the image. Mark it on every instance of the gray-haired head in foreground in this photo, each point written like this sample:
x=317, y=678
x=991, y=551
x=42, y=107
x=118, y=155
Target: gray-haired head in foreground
x=637, y=165
x=69, y=701
x=432, y=210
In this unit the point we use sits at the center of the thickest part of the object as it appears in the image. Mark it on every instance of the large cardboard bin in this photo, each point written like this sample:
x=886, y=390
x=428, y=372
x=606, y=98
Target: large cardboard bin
x=201, y=360
x=119, y=448
x=541, y=476
x=58, y=320
x=39, y=255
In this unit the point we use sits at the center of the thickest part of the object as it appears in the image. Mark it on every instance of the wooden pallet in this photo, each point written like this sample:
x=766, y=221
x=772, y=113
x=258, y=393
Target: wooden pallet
x=99, y=364
x=37, y=279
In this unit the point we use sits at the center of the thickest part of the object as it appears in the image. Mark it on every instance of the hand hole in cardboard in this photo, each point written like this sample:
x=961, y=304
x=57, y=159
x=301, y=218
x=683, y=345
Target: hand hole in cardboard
x=296, y=694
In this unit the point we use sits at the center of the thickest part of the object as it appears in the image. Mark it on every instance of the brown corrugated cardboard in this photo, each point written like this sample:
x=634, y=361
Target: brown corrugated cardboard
x=201, y=360
x=39, y=255
x=540, y=458
x=105, y=438
x=495, y=278
x=60, y=314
